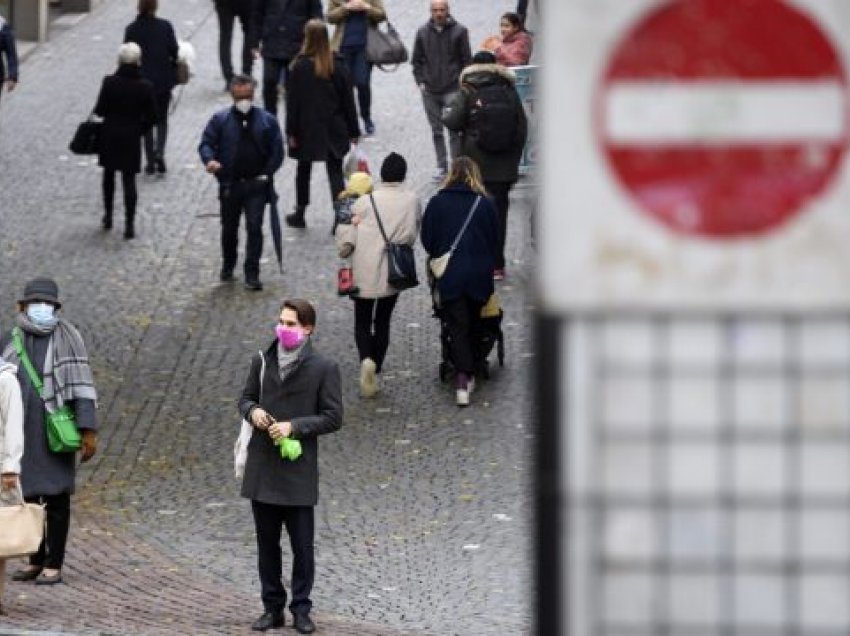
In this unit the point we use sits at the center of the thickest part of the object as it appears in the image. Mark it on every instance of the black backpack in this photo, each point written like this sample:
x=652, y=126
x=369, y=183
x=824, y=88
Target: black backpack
x=494, y=117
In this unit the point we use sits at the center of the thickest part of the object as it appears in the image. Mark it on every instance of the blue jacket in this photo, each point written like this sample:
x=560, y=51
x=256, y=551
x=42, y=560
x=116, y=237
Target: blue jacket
x=470, y=270
x=221, y=137
x=7, y=47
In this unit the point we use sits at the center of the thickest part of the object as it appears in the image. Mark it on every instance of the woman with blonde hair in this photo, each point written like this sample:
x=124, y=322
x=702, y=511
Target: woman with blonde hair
x=11, y=447
x=321, y=118
x=461, y=215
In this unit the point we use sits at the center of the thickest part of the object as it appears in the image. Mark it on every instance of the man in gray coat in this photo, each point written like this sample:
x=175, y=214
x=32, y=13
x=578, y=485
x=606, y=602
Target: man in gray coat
x=440, y=52
x=291, y=392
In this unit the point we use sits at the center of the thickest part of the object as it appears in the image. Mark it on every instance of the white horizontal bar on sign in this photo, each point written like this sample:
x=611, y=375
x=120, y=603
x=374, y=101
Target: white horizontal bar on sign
x=721, y=112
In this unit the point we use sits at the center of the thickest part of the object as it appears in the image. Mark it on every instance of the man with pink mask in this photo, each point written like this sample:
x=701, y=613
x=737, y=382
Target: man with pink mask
x=291, y=392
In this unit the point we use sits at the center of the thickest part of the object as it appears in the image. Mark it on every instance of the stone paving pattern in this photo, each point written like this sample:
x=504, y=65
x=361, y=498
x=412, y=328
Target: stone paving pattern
x=424, y=520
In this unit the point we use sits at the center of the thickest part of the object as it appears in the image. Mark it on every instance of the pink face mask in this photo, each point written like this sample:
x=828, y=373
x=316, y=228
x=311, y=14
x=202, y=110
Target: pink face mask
x=290, y=338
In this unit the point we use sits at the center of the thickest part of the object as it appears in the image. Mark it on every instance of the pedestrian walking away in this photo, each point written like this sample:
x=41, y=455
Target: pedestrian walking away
x=291, y=393
x=400, y=212
x=489, y=113
x=352, y=18
x=228, y=11
x=321, y=118
x=159, y=47
x=440, y=52
x=58, y=356
x=243, y=147
x=277, y=33
x=460, y=212
x=11, y=448
x=8, y=57
x=127, y=105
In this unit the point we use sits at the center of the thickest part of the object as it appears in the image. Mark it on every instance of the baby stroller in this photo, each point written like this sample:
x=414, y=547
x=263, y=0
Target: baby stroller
x=487, y=334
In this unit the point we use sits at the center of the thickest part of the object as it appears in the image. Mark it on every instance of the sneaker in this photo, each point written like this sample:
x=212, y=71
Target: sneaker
x=462, y=397
x=370, y=127
x=499, y=274
x=368, y=379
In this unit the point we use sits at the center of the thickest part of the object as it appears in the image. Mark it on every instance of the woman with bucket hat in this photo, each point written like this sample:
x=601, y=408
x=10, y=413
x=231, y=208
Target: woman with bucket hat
x=55, y=377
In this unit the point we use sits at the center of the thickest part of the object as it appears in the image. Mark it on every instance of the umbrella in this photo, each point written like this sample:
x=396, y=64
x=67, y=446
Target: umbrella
x=274, y=222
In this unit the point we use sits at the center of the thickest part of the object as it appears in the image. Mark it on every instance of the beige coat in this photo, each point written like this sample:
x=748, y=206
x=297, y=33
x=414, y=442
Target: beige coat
x=338, y=15
x=401, y=213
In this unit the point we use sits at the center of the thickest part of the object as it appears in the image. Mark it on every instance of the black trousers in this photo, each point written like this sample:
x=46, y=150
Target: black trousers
x=226, y=17
x=274, y=74
x=462, y=316
x=372, y=327
x=131, y=195
x=269, y=521
x=156, y=137
x=336, y=181
x=500, y=193
x=249, y=198
x=51, y=552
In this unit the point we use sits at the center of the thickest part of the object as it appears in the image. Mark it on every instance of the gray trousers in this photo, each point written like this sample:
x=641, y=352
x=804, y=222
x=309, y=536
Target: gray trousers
x=434, y=104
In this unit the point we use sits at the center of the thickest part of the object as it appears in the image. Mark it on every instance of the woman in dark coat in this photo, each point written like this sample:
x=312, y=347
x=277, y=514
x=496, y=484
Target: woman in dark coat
x=291, y=392
x=467, y=283
x=159, y=47
x=127, y=105
x=321, y=118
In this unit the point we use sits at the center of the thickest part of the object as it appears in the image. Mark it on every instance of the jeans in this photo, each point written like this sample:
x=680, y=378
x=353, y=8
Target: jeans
x=372, y=327
x=361, y=76
x=51, y=552
x=274, y=74
x=500, y=193
x=249, y=197
x=226, y=17
x=155, y=148
x=336, y=181
x=461, y=316
x=131, y=196
x=269, y=521
x=434, y=104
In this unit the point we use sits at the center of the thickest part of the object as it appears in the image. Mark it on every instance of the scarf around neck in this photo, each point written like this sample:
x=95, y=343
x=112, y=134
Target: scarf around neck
x=288, y=360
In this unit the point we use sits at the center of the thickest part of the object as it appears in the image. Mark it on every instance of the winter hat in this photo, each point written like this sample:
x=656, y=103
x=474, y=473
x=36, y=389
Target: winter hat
x=359, y=183
x=484, y=57
x=394, y=168
x=41, y=289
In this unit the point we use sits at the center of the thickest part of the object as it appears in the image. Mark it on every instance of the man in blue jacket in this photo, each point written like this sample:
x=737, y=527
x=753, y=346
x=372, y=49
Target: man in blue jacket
x=9, y=69
x=243, y=147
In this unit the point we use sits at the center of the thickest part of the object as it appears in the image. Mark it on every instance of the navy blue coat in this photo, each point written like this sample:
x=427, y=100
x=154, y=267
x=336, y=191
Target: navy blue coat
x=7, y=48
x=159, y=47
x=470, y=270
x=277, y=26
x=221, y=137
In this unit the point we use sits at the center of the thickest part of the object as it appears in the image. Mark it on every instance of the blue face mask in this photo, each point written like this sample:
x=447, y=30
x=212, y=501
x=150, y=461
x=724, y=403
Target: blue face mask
x=41, y=313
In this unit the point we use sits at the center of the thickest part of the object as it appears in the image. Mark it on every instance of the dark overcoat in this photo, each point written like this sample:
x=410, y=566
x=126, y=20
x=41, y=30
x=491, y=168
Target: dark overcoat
x=156, y=38
x=128, y=107
x=310, y=398
x=470, y=270
x=320, y=113
x=277, y=26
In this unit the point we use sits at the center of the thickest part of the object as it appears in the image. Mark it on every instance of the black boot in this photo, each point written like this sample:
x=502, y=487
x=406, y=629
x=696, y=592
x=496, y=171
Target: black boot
x=129, y=226
x=296, y=219
x=106, y=221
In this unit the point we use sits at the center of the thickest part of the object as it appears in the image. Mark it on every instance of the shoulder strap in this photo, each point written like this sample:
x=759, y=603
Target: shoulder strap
x=465, y=223
x=378, y=218
x=18, y=344
x=262, y=374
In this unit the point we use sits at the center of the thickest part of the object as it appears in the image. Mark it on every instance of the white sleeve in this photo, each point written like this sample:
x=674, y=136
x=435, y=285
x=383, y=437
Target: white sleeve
x=12, y=412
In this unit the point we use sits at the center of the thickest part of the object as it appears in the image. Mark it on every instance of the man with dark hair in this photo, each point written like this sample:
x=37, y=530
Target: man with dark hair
x=228, y=11
x=277, y=32
x=243, y=147
x=9, y=70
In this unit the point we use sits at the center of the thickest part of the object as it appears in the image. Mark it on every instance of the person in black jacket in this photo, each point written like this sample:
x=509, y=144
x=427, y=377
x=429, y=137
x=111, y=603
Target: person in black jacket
x=277, y=32
x=128, y=107
x=227, y=12
x=291, y=392
x=321, y=117
x=159, y=47
x=9, y=70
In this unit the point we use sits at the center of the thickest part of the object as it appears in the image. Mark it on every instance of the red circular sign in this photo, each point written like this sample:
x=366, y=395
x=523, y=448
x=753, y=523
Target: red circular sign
x=722, y=118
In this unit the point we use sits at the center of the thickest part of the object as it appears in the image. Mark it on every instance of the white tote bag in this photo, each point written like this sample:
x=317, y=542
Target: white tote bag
x=21, y=529
x=240, y=447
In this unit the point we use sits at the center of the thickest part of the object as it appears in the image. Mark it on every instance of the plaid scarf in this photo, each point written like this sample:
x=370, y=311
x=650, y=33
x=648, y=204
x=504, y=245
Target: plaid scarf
x=66, y=375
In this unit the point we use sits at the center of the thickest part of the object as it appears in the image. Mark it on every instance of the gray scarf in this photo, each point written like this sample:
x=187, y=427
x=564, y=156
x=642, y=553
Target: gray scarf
x=287, y=361
x=66, y=375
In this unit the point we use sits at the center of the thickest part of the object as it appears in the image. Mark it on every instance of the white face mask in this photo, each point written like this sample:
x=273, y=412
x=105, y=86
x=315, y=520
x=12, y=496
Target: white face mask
x=243, y=105
x=41, y=313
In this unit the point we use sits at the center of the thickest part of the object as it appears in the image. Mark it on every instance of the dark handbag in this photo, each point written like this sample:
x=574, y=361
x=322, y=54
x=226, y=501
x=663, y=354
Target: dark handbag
x=63, y=436
x=401, y=262
x=86, y=139
x=384, y=47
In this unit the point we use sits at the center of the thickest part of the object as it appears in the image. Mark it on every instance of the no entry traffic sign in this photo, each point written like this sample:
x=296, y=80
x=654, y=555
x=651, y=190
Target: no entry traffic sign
x=723, y=118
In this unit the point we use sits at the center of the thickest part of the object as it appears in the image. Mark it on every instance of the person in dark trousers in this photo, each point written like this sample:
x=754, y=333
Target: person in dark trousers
x=159, y=47
x=59, y=358
x=497, y=144
x=127, y=105
x=321, y=118
x=352, y=18
x=228, y=11
x=293, y=392
x=277, y=33
x=8, y=50
x=467, y=283
x=243, y=147
x=440, y=52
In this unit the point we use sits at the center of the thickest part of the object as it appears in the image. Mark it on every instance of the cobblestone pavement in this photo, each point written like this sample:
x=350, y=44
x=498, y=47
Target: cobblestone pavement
x=424, y=520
